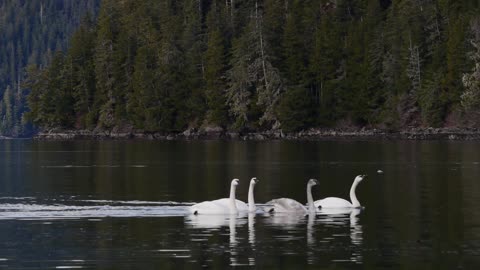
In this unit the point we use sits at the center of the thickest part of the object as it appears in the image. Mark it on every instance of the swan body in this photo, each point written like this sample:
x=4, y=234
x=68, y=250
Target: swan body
x=334, y=202
x=282, y=205
x=285, y=205
x=250, y=207
x=220, y=206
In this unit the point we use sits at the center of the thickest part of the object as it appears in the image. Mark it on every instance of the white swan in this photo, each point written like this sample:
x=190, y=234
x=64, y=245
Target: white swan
x=243, y=207
x=334, y=202
x=290, y=205
x=220, y=206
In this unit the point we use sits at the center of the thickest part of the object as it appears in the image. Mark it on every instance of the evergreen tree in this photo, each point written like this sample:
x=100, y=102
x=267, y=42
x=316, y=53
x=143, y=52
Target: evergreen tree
x=143, y=106
x=194, y=44
x=273, y=25
x=290, y=115
x=324, y=69
x=470, y=98
x=81, y=57
x=31, y=32
x=455, y=60
x=240, y=86
x=164, y=66
x=7, y=110
x=293, y=49
x=215, y=68
x=104, y=65
x=255, y=85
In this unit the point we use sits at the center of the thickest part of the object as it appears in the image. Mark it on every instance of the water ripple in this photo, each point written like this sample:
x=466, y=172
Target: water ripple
x=74, y=209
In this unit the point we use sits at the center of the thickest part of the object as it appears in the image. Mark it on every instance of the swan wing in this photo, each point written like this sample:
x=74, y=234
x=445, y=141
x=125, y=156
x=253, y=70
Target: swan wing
x=285, y=205
x=241, y=206
x=333, y=202
x=210, y=207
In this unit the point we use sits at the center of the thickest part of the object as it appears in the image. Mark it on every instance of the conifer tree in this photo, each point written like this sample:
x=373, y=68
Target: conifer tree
x=215, y=57
x=104, y=65
x=80, y=55
x=470, y=98
x=194, y=44
x=164, y=66
x=293, y=49
x=7, y=110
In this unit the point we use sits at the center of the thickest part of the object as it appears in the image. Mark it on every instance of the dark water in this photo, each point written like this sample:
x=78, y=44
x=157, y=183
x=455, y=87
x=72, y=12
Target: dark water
x=122, y=205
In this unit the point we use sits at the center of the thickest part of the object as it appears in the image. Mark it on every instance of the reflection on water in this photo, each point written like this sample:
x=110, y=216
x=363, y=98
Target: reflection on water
x=343, y=219
x=356, y=234
x=212, y=221
x=251, y=237
x=232, y=225
x=286, y=220
x=230, y=221
x=292, y=228
x=122, y=205
x=251, y=229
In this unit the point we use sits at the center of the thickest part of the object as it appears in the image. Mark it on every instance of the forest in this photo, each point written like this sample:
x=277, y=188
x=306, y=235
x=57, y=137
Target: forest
x=31, y=31
x=253, y=65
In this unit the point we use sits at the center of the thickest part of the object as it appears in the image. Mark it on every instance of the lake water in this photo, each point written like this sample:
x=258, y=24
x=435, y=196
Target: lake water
x=122, y=205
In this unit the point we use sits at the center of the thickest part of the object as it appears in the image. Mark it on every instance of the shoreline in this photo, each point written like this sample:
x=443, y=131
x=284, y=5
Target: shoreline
x=311, y=134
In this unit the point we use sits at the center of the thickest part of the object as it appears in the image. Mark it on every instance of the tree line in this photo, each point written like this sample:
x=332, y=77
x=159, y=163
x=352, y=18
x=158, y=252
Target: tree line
x=249, y=65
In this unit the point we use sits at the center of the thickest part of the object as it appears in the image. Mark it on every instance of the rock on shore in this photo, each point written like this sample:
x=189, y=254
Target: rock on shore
x=310, y=134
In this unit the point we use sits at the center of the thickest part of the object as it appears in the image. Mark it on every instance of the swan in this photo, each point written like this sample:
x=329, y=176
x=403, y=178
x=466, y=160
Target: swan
x=289, y=205
x=243, y=207
x=220, y=206
x=334, y=202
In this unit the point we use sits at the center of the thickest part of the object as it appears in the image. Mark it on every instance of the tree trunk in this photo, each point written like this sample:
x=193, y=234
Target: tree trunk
x=262, y=50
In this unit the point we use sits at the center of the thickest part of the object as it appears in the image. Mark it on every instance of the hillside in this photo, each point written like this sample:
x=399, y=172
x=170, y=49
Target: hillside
x=165, y=66
x=31, y=31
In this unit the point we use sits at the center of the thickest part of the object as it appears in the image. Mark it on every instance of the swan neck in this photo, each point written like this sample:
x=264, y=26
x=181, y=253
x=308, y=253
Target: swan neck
x=251, y=200
x=353, y=196
x=233, y=205
x=311, y=206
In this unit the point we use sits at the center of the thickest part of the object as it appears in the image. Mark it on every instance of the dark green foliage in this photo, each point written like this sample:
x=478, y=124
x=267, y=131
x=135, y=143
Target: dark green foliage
x=294, y=53
x=81, y=69
x=106, y=96
x=215, y=79
x=295, y=110
x=51, y=99
x=164, y=66
x=430, y=102
x=31, y=31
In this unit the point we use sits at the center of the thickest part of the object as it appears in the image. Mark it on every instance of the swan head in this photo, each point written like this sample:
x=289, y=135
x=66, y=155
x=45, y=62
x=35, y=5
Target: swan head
x=254, y=181
x=235, y=182
x=359, y=178
x=312, y=182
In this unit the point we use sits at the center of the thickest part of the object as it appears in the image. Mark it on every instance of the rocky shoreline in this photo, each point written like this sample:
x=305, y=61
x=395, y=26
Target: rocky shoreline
x=311, y=134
